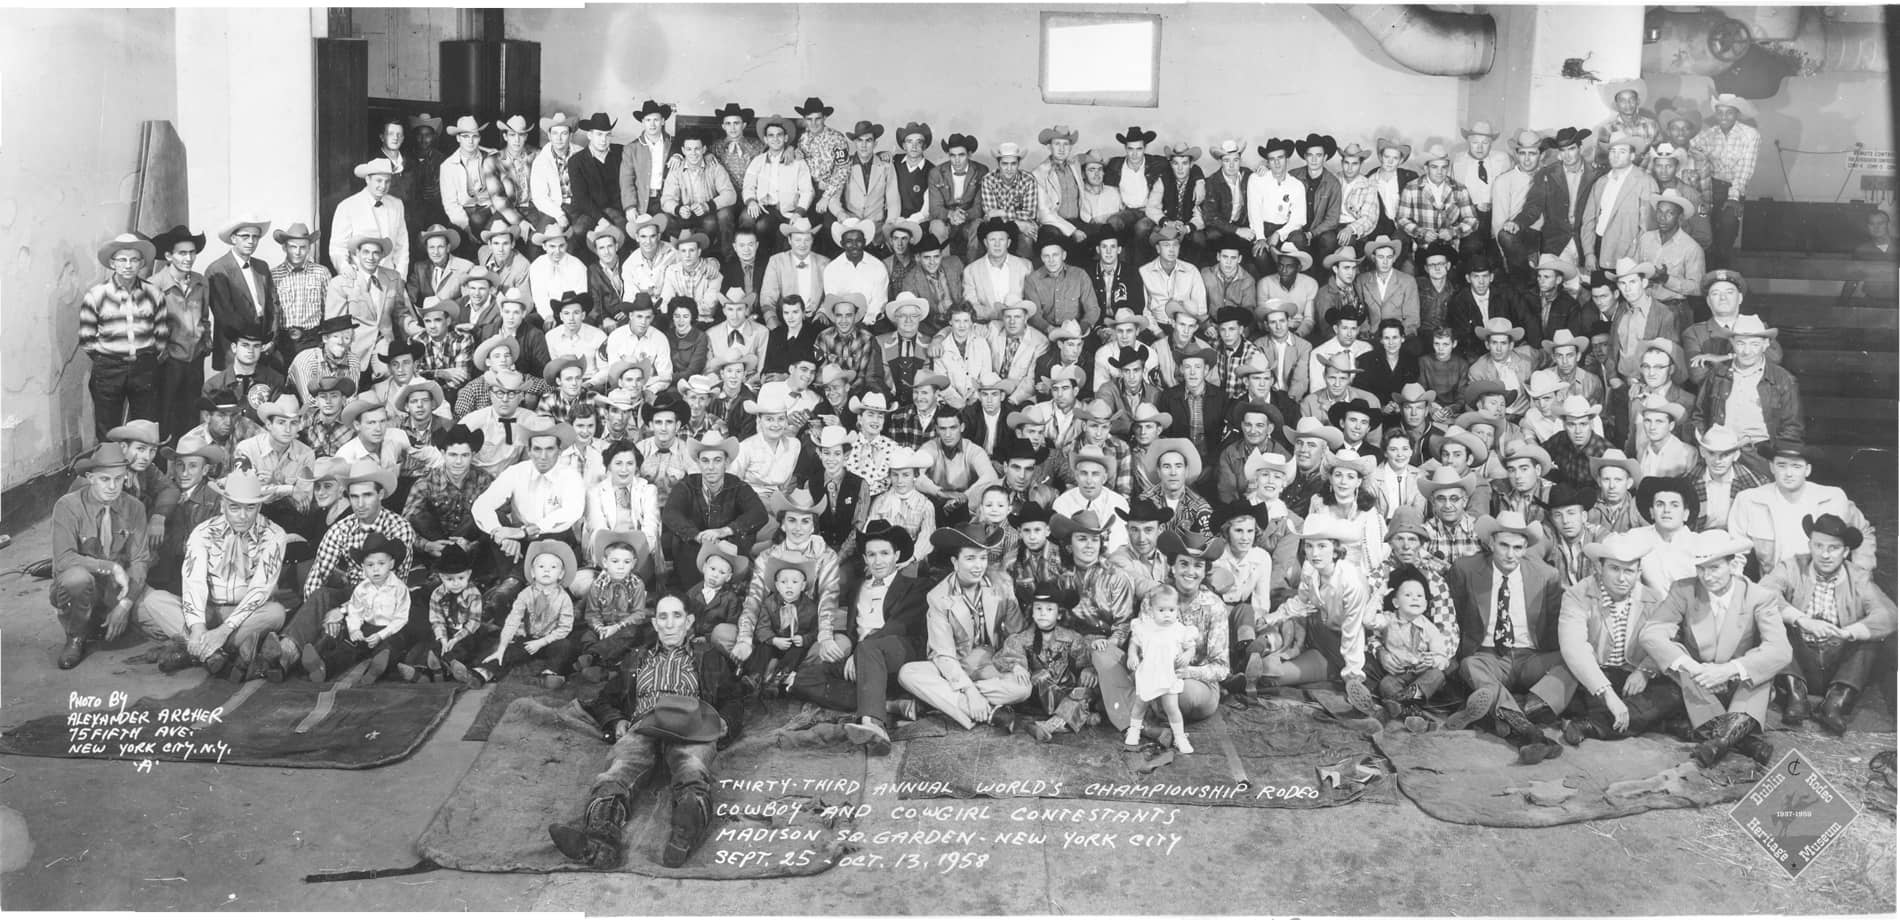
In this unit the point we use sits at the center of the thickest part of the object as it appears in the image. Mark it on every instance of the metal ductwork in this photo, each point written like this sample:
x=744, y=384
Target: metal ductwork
x=1430, y=41
x=1719, y=43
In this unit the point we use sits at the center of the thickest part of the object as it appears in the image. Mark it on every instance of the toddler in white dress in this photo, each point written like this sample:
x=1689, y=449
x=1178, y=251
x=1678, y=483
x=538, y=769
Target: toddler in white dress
x=1159, y=645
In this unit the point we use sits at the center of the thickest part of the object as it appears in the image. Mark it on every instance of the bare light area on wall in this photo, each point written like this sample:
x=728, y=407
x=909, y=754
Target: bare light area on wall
x=1106, y=59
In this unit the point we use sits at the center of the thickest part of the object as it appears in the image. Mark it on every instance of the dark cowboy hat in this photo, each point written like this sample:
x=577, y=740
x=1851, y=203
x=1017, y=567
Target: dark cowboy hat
x=968, y=536
x=1240, y=315
x=682, y=718
x=926, y=242
x=1031, y=513
x=217, y=400
x=1833, y=526
x=1194, y=546
x=1141, y=509
x=597, y=122
x=339, y=323
x=460, y=434
x=1566, y=137
x=730, y=109
x=1647, y=490
x=863, y=127
x=910, y=128
x=1135, y=135
x=814, y=106
x=1322, y=141
x=453, y=560
x=1440, y=248
x=1565, y=494
x=651, y=107
x=164, y=242
x=994, y=224
x=899, y=538
x=1273, y=145
x=967, y=142
x=378, y=542
x=1049, y=236
x=1337, y=412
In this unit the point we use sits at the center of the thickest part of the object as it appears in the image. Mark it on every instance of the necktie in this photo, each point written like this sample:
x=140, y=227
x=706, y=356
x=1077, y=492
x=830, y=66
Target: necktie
x=1009, y=352
x=734, y=338
x=1619, y=633
x=982, y=622
x=105, y=530
x=831, y=492
x=903, y=348
x=800, y=265
x=623, y=497
x=1502, y=638
x=1484, y=175
x=788, y=619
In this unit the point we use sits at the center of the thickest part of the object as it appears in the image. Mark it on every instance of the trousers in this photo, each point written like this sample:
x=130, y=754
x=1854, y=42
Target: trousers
x=1543, y=674
x=1838, y=662
x=635, y=758
x=926, y=683
x=161, y=614
x=123, y=389
x=82, y=600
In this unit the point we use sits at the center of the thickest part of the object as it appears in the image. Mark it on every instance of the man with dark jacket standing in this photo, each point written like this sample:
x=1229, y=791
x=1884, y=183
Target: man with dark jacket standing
x=1556, y=197
x=708, y=506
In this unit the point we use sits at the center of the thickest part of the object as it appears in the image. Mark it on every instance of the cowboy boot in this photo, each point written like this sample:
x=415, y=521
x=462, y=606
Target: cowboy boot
x=1754, y=744
x=595, y=839
x=1837, y=709
x=1575, y=730
x=174, y=658
x=733, y=712
x=691, y=811
x=1478, y=705
x=1719, y=736
x=1796, y=707
x=1677, y=727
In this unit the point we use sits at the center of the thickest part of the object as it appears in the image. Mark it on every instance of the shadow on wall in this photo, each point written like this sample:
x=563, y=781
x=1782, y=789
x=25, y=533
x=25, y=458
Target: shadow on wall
x=1826, y=114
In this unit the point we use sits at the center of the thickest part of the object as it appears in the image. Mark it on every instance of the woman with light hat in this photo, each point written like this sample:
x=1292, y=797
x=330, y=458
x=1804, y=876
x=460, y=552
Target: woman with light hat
x=871, y=450
x=1350, y=501
x=1336, y=604
x=769, y=459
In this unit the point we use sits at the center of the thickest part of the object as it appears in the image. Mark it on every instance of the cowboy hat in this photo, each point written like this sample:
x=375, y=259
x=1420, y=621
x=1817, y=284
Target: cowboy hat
x=1575, y=406
x=1569, y=137
x=109, y=456
x=906, y=458
x=1627, y=266
x=1498, y=325
x=1064, y=331
x=483, y=350
x=1407, y=519
x=1615, y=458
x=196, y=446
x=1712, y=545
x=1056, y=132
x=557, y=120
x=1063, y=526
x=1437, y=153
x=1321, y=527
x=165, y=242
x=367, y=470
x=652, y=107
x=465, y=125
x=448, y=234
x=447, y=306
x=1190, y=454
x=847, y=224
x=831, y=436
x=1619, y=547
x=813, y=106
x=1635, y=142
x=787, y=124
x=343, y=385
x=555, y=548
x=732, y=110
x=1564, y=338
x=420, y=386
x=1180, y=149
x=1832, y=525
x=900, y=225
x=1414, y=393
x=1381, y=242
x=604, y=538
x=537, y=426
x=1192, y=545
x=1135, y=135
x=1743, y=108
x=1324, y=142
x=1525, y=450
x=1544, y=382
x=284, y=406
x=1129, y=356
x=800, y=500
x=775, y=398
x=1007, y=150
x=597, y=122
x=1445, y=477
x=1258, y=463
x=1146, y=412
x=910, y=128
x=874, y=401
x=1558, y=264
x=1509, y=521
x=379, y=542
x=131, y=241
x=956, y=539
x=1346, y=458
x=964, y=142
x=360, y=240
x=1093, y=455
x=1141, y=510
x=711, y=440
x=1656, y=402
x=721, y=549
x=356, y=408
x=1747, y=324
x=1674, y=197
x=1289, y=250
x=1473, y=444
x=1719, y=439
x=140, y=431
x=1280, y=145
x=929, y=378
x=380, y=166
x=1170, y=232
x=991, y=380
x=1310, y=427
x=1381, y=145
x=1035, y=414
x=1127, y=317
x=296, y=231
x=240, y=487
x=1480, y=128
x=1354, y=151
x=1527, y=139
x=1336, y=413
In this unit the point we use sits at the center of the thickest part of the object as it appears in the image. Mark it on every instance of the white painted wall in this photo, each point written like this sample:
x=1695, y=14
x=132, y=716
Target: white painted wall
x=74, y=86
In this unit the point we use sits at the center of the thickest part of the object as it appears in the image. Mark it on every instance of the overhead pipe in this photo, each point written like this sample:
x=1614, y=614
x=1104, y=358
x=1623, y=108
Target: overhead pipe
x=1429, y=41
x=1708, y=42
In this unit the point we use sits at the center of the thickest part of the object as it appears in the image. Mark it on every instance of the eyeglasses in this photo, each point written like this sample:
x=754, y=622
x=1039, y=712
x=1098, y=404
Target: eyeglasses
x=509, y=392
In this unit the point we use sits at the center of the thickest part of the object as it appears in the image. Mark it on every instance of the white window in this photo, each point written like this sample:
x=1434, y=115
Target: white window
x=1101, y=59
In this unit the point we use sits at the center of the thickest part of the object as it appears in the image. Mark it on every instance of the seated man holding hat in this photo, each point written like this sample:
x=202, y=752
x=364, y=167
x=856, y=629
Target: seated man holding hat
x=1837, y=618
x=969, y=615
x=1723, y=639
x=671, y=704
x=100, y=553
x=223, y=611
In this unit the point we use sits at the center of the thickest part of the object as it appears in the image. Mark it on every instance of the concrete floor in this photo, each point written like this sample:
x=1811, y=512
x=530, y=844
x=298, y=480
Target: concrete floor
x=99, y=835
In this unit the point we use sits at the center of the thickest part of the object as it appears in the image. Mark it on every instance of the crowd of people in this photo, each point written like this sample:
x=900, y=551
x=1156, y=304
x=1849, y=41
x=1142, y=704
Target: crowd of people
x=693, y=420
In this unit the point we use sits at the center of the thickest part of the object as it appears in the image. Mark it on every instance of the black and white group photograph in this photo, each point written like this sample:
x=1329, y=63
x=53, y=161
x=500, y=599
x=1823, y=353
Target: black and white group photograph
x=957, y=459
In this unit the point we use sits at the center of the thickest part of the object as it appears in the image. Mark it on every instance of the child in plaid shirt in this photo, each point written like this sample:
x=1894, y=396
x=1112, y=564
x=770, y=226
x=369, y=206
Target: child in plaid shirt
x=616, y=606
x=455, y=618
x=1057, y=659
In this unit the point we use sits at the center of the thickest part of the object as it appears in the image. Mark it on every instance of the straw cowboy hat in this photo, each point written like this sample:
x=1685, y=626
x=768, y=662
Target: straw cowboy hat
x=379, y=166
x=602, y=539
x=125, y=241
x=1747, y=324
x=1619, y=547
x=1261, y=463
x=709, y=441
x=1151, y=457
x=1510, y=521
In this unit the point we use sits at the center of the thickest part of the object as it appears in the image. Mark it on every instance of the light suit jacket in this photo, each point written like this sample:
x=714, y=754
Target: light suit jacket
x=874, y=200
x=1628, y=217
x=951, y=629
x=977, y=283
x=636, y=167
x=1749, y=633
x=781, y=278
x=358, y=214
x=1583, y=632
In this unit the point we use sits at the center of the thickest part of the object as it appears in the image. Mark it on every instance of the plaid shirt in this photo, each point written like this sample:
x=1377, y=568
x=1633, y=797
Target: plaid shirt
x=1230, y=365
x=1821, y=602
x=1014, y=195
x=300, y=291
x=449, y=353
x=439, y=508
x=209, y=578
x=454, y=616
x=1360, y=209
x=1421, y=211
x=1742, y=479
x=735, y=156
x=326, y=438
x=1442, y=612
x=1121, y=482
x=348, y=534
x=854, y=349
x=904, y=427
x=1731, y=155
x=1449, y=543
x=1572, y=463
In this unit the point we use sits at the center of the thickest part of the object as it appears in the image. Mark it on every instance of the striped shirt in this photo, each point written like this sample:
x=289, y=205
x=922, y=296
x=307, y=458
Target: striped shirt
x=300, y=291
x=665, y=670
x=116, y=319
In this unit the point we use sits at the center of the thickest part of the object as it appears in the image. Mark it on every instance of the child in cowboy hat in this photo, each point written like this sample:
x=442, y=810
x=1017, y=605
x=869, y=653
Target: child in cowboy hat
x=786, y=628
x=1057, y=661
x=902, y=504
x=539, y=624
x=717, y=599
x=615, y=605
x=1413, y=651
x=370, y=626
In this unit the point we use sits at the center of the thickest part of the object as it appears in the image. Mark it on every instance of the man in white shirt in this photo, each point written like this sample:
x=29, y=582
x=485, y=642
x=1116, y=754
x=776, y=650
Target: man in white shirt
x=1090, y=467
x=854, y=271
x=1276, y=203
x=461, y=178
x=1507, y=602
x=637, y=341
x=1134, y=174
x=777, y=184
x=373, y=213
x=699, y=193
x=1769, y=516
x=798, y=270
x=538, y=496
x=1169, y=283
x=1474, y=167
x=1520, y=245
x=645, y=268
x=554, y=274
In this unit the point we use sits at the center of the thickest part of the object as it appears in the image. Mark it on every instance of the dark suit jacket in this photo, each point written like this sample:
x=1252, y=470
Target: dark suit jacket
x=686, y=512
x=1461, y=314
x=838, y=522
x=231, y=305
x=941, y=199
x=1470, y=583
x=1323, y=201
x=1153, y=167
x=905, y=606
x=1549, y=199
x=1380, y=378
x=594, y=187
x=1218, y=201
x=1122, y=289
x=1565, y=313
x=1174, y=401
x=976, y=428
x=730, y=275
